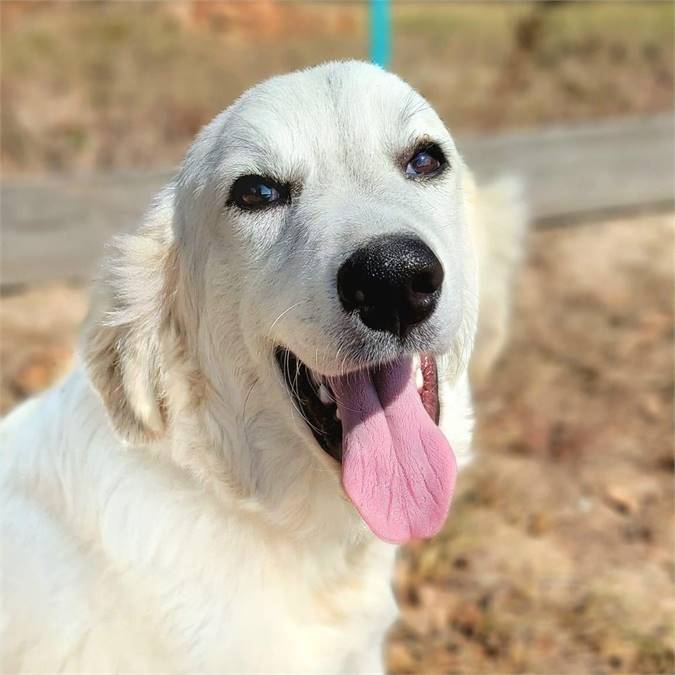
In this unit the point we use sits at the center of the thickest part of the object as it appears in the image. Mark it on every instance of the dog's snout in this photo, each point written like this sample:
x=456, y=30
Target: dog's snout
x=393, y=282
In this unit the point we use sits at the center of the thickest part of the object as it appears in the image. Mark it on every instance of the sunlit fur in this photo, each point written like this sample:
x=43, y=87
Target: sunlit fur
x=164, y=507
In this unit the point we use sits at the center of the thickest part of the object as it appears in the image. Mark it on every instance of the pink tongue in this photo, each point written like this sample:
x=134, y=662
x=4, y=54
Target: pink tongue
x=397, y=467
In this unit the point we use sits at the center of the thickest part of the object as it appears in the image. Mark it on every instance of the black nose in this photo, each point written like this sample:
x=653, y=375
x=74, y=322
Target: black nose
x=393, y=283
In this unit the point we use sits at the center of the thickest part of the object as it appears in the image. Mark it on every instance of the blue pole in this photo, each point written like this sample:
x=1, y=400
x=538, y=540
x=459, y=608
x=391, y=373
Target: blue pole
x=380, y=32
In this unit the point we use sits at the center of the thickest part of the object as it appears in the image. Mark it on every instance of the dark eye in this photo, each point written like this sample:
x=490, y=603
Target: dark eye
x=252, y=193
x=427, y=161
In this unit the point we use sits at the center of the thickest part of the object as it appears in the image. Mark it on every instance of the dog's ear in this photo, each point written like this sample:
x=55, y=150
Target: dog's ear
x=124, y=337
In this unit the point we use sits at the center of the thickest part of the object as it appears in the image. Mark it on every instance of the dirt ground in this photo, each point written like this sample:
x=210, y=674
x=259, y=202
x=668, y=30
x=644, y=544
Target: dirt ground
x=558, y=553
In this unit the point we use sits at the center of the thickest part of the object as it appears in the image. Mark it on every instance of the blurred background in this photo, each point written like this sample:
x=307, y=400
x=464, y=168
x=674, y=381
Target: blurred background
x=558, y=555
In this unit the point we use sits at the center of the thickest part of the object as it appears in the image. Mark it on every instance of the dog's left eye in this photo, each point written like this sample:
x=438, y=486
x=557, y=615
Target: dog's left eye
x=426, y=162
x=252, y=193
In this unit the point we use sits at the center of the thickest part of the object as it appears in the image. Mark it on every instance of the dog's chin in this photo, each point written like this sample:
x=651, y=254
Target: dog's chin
x=312, y=396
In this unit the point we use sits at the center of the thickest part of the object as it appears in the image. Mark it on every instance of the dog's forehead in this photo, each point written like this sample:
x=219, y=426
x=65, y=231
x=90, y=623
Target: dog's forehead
x=350, y=105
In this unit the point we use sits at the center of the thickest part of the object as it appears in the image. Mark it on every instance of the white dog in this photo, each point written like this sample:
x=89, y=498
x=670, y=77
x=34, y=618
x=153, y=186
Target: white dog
x=272, y=393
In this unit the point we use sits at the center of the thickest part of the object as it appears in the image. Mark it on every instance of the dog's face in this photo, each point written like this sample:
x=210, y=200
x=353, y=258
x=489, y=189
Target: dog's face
x=328, y=207
x=321, y=223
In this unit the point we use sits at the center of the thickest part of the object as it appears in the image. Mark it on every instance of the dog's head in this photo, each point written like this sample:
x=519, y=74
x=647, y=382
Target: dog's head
x=313, y=254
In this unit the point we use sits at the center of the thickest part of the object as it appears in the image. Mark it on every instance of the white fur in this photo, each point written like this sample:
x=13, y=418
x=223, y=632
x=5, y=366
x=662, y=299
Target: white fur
x=500, y=227
x=164, y=508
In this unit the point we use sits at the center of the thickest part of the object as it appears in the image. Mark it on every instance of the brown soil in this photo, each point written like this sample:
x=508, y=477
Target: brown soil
x=558, y=554
x=39, y=328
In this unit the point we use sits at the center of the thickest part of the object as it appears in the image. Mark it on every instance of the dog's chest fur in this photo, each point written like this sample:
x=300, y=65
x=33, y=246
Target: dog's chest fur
x=132, y=567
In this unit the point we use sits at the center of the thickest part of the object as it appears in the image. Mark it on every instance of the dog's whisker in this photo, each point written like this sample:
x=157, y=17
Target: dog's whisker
x=288, y=309
x=293, y=380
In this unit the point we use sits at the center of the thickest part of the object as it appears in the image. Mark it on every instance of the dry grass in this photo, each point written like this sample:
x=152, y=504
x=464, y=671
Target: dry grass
x=101, y=85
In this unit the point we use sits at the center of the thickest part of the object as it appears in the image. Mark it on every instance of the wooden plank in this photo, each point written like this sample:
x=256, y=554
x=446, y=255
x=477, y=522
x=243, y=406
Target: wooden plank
x=577, y=170
x=56, y=227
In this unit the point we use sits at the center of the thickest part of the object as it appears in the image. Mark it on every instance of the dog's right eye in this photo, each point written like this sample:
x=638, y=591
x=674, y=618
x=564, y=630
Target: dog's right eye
x=252, y=193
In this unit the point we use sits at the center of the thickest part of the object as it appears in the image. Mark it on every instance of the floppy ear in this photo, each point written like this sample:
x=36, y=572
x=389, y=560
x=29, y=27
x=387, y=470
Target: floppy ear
x=133, y=309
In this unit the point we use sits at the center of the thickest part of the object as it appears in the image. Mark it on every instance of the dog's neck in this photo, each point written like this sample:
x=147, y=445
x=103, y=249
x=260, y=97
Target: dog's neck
x=230, y=434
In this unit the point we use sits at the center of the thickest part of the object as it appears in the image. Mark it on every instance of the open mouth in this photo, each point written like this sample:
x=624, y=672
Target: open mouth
x=381, y=424
x=314, y=399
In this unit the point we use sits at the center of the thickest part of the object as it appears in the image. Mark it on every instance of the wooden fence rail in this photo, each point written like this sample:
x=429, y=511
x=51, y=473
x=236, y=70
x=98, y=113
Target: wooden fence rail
x=56, y=227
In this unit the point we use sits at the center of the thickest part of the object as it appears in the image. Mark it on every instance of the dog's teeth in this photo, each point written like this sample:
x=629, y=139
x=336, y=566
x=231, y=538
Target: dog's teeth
x=337, y=413
x=419, y=379
x=324, y=394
